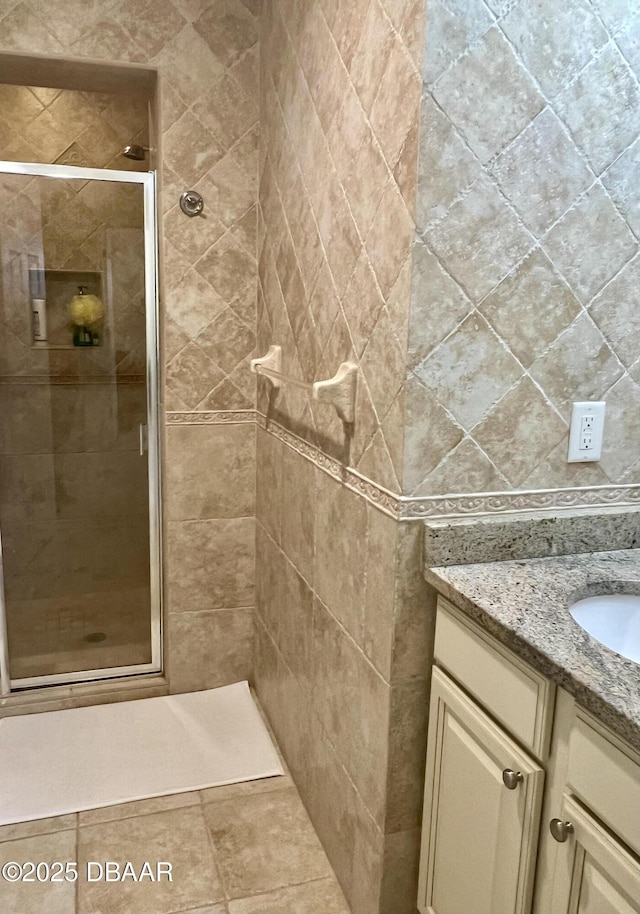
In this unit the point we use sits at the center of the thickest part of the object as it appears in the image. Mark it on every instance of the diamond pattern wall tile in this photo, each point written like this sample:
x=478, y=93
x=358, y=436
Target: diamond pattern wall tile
x=446, y=166
x=438, y=312
x=450, y=34
x=190, y=149
x=480, y=239
x=151, y=23
x=616, y=311
x=623, y=428
x=230, y=29
x=227, y=267
x=465, y=469
x=595, y=225
x=471, y=370
x=227, y=340
x=554, y=56
x=191, y=375
x=601, y=108
x=498, y=171
x=578, y=366
x=371, y=54
x=542, y=173
x=621, y=183
x=396, y=104
x=520, y=431
x=488, y=95
x=531, y=307
x=192, y=237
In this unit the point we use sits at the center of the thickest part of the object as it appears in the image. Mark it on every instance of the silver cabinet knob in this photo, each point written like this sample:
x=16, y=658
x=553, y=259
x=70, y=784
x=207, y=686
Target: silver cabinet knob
x=560, y=830
x=511, y=778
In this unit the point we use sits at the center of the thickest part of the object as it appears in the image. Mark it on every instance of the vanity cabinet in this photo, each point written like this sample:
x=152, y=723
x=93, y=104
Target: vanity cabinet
x=484, y=798
x=594, y=873
x=530, y=804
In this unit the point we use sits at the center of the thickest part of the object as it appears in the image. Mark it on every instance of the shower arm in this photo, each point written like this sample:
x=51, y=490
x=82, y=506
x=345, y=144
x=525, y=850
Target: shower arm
x=339, y=391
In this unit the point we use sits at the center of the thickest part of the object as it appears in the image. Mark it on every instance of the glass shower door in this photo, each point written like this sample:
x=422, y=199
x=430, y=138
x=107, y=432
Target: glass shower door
x=79, y=481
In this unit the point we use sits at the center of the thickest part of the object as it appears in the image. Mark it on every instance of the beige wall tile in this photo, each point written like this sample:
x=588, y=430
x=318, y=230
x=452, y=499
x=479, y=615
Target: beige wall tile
x=543, y=161
x=592, y=224
x=615, y=311
x=407, y=752
x=401, y=862
x=554, y=55
x=464, y=469
x=542, y=173
x=449, y=36
x=352, y=702
x=270, y=504
x=415, y=607
x=380, y=586
x=563, y=375
x=210, y=471
x=531, y=307
x=351, y=838
x=209, y=649
x=499, y=97
x=225, y=578
x=472, y=369
x=298, y=511
x=340, y=553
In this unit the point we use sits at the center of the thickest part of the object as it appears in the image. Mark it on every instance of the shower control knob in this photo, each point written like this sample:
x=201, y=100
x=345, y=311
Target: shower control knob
x=191, y=203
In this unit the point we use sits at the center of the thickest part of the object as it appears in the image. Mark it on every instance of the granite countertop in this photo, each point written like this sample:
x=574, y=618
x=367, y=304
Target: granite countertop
x=524, y=604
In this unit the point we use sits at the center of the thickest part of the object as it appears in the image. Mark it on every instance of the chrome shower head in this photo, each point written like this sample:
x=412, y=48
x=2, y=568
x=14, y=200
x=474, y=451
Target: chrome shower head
x=139, y=153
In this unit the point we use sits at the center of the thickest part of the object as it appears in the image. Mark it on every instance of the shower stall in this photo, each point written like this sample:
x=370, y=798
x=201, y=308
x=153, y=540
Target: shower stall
x=80, y=594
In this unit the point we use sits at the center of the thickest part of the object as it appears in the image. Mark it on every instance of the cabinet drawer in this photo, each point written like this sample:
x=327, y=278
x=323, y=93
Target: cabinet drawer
x=606, y=778
x=513, y=692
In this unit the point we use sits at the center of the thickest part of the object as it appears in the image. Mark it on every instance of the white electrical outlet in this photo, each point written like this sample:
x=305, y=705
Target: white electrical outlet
x=585, y=434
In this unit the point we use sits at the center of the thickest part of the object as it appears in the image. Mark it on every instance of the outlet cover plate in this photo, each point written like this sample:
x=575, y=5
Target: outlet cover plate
x=586, y=432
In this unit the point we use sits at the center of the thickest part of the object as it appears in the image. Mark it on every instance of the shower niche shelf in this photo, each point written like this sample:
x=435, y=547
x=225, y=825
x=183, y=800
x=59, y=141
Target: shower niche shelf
x=56, y=288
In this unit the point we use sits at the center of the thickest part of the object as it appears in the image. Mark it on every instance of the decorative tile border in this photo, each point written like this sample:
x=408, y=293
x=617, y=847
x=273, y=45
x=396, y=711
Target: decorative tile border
x=492, y=503
x=383, y=499
x=213, y=417
x=479, y=504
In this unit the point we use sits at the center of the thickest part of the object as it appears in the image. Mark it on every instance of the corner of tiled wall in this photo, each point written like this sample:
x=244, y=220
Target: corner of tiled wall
x=340, y=93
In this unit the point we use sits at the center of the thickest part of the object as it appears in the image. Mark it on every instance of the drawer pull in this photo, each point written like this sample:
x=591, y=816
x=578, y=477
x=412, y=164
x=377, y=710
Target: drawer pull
x=560, y=830
x=511, y=778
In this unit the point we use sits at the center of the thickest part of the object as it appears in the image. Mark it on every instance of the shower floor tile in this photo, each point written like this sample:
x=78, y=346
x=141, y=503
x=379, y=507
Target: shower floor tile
x=244, y=848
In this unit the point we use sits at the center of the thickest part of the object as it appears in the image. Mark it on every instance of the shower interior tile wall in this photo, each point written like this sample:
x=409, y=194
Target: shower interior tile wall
x=206, y=56
x=71, y=417
x=529, y=159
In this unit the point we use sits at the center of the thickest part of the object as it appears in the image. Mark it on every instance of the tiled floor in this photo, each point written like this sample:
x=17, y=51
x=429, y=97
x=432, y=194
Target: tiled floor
x=241, y=849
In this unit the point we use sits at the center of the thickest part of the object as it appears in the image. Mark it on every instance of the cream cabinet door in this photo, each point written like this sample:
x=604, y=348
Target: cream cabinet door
x=593, y=873
x=483, y=797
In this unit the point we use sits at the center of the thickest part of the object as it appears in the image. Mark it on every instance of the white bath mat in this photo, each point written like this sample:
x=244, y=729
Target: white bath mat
x=66, y=761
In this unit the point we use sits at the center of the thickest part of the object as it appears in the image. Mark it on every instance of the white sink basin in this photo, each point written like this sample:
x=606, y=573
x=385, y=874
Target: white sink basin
x=613, y=619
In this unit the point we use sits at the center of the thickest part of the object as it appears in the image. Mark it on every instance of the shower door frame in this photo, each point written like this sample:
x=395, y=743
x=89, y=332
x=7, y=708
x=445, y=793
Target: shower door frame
x=147, y=180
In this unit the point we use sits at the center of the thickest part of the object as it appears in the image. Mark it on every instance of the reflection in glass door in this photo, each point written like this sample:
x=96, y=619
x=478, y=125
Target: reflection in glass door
x=79, y=480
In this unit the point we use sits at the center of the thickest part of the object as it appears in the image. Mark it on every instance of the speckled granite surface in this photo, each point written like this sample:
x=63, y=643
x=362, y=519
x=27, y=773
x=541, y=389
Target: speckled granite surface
x=492, y=539
x=524, y=604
